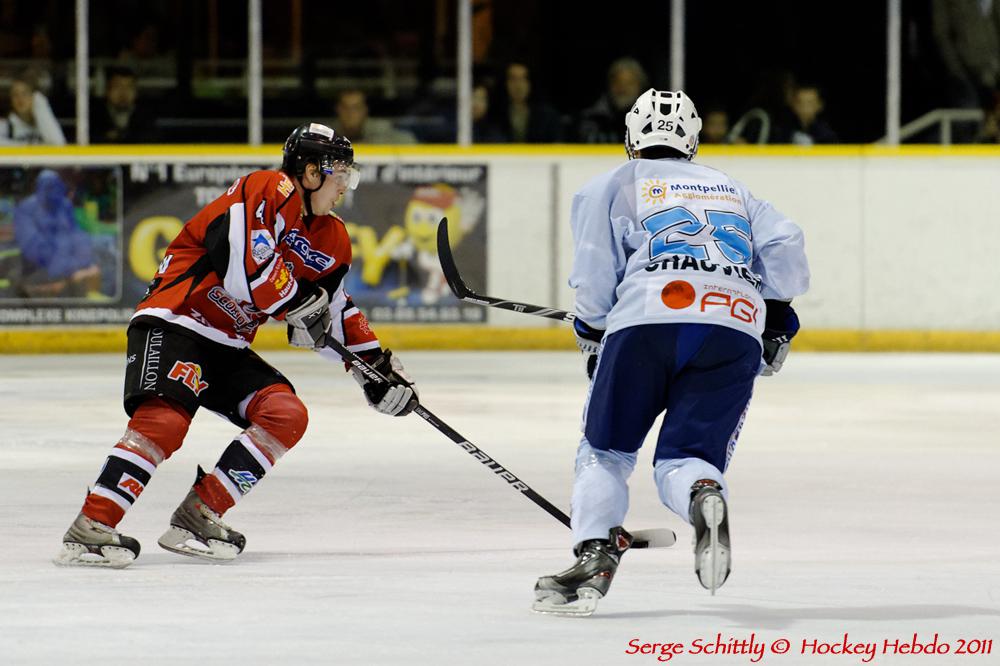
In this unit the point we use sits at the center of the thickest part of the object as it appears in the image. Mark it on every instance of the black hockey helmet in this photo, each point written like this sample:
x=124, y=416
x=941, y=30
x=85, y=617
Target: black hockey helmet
x=317, y=144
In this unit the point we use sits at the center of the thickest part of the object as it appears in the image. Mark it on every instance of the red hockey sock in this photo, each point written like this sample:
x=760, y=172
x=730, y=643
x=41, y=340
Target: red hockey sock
x=278, y=421
x=154, y=432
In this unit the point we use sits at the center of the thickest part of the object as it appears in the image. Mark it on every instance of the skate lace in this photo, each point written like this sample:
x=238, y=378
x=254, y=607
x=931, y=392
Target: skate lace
x=597, y=551
x=95, y=526
x=88, y=529
x=213, y=516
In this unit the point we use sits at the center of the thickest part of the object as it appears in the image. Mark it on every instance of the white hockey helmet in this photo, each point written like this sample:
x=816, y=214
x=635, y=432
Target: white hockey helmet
x=662, y=118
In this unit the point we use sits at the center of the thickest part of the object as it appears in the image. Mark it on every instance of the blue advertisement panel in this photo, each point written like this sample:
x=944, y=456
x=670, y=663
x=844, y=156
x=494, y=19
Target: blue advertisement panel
x=61, y=244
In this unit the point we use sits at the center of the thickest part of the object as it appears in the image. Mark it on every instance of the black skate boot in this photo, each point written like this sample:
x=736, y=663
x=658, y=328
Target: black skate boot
x=710, y=518
x=198, y=531
x=577, y=590
x=93, y=544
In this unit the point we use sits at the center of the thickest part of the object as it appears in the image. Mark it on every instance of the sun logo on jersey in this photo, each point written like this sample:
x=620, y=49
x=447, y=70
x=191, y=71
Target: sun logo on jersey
x=654, y=192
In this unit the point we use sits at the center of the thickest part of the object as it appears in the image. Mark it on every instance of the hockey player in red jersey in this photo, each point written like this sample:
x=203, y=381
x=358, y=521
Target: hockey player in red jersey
x=265, y=248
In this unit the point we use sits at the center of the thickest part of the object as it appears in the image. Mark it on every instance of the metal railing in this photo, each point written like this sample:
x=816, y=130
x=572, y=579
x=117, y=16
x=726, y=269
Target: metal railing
x=942, y=117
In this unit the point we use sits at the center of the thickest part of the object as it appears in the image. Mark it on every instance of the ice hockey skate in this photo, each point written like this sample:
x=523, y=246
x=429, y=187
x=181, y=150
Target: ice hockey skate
x=198, y=531
x=576, y=591
x=93, y=544
x=709, y=515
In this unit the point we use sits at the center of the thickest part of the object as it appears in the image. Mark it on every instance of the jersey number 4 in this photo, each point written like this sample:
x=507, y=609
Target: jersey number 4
x=679, y=231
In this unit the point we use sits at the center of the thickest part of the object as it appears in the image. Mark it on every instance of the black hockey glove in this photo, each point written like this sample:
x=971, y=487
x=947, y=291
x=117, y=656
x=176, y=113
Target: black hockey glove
x=780, y=327
x=397, y=398
x=309, y=321
x=589, y=341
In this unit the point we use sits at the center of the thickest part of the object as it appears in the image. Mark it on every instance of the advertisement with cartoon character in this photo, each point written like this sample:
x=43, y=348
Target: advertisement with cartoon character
x=393, y=218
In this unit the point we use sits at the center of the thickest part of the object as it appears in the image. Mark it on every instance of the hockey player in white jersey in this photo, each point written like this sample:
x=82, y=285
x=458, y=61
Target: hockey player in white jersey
x=683, y=284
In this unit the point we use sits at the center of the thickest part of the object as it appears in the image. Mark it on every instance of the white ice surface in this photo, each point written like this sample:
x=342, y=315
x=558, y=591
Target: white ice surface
x=864, y=501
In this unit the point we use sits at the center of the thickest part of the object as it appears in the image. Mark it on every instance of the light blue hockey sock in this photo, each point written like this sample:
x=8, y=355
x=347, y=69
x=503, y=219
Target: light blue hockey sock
x=600, y=492
x=674, y=478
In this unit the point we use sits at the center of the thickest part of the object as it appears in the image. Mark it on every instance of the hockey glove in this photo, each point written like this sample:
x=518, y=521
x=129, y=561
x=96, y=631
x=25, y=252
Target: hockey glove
x=309, y=321
x=780, y=327
x=396, y=398
x=589, y=341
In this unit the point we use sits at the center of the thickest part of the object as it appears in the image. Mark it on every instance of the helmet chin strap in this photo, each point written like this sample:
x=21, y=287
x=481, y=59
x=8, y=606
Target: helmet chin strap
x=307, y=199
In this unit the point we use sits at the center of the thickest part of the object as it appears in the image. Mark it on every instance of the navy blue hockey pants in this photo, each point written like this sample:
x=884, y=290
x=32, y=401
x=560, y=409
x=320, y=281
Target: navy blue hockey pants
x=701, y=374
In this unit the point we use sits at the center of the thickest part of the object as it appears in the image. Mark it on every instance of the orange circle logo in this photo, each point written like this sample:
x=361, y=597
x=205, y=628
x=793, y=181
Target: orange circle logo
x=677, y=295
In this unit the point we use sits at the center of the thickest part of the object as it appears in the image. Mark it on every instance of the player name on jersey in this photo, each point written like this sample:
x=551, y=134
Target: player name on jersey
x=685, y=263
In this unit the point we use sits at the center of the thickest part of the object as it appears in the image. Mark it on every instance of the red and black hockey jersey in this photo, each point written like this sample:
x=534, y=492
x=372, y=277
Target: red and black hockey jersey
x=251, y=254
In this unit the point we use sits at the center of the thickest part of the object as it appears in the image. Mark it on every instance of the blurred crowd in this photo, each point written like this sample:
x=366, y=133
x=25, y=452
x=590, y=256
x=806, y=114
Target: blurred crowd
x=394, y=83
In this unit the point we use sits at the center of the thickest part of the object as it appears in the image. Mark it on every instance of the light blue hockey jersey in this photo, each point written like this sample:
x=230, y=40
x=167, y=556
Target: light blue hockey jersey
x=672, y=241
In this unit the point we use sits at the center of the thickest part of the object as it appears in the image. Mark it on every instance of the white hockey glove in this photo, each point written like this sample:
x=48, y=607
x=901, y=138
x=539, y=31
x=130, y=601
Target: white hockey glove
x=397, y=398
x=309, y=322
x=589, y=341
x=780, y=327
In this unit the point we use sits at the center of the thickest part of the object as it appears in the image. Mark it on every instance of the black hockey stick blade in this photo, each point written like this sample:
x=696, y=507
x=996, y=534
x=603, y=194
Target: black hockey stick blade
x=654, y=538
x=463, y=293
x=448, y=266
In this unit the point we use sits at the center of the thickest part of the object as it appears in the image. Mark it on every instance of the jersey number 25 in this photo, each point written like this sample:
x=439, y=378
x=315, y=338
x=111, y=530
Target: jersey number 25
x=679, y=231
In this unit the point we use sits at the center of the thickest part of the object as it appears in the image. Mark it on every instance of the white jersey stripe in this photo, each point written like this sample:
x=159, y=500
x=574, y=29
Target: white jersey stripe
x=235, y=280
x=213, y=334
x=266, y=273
x=364, y=346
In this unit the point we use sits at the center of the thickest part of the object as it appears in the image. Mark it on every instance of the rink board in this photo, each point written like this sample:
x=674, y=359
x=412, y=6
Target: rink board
x=487, y=338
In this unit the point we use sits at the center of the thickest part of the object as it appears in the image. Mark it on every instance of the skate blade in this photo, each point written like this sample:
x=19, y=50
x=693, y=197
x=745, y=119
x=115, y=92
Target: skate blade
x=713, y=560
x=555, y=604
x=79, y=555
x=184, y=542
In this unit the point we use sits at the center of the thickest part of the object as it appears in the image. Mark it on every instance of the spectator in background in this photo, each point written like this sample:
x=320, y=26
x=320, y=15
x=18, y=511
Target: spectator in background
x=715, y=126
x=143, y=45
x=484, y=129
x=967, y=33
x=31, y=120
x=523, y=119
x=602, y=122
x=117, y=118
x=802, y=123
x=990, y=130
x=56, y=254
x=354, y=123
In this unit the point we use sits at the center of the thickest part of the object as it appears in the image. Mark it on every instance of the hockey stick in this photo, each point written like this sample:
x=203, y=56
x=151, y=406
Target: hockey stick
x=653, y=538
x=463, y=293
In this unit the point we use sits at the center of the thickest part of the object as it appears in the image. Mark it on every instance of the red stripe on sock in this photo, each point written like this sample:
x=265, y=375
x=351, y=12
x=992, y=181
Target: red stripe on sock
x=102, y=510
x=214, y=494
